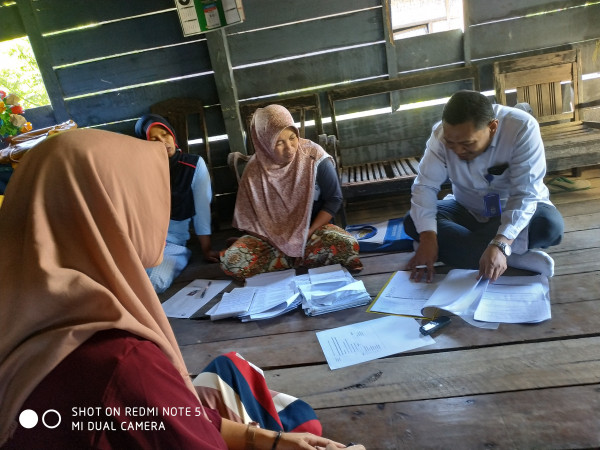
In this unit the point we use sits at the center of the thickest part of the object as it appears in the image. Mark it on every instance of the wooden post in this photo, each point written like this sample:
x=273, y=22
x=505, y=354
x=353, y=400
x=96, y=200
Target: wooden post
x=467, y=32
x=226, y=88
x=390, y=50
x=44, y=61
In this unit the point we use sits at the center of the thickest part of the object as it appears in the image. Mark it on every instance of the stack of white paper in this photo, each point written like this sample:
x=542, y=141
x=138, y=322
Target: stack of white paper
x=271, y=294
x=264, y=296
x=331, y=288
x=276, y=294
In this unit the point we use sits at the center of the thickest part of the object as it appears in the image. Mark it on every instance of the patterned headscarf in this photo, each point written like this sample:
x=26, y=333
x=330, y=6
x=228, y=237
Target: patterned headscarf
x=274, y=202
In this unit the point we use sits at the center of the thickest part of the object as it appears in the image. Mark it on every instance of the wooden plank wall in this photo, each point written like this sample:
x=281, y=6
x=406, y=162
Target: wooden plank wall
x=390, y=134
x=350, y=32
x=499, y=31
x=511, y=29
x=111, y=60
x=107, y=62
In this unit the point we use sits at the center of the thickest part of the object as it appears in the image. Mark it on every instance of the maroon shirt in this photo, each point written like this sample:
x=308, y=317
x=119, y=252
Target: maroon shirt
x=117, y=391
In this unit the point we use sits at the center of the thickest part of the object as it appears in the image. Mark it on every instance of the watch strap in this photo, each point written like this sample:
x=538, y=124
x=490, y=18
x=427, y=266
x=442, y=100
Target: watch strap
x=501, y=245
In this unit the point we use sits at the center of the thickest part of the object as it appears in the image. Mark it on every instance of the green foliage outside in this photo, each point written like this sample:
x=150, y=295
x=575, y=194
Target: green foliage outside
x=20, y=75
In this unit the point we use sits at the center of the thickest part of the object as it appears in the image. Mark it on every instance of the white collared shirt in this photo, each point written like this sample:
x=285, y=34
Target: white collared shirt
x=517, y=142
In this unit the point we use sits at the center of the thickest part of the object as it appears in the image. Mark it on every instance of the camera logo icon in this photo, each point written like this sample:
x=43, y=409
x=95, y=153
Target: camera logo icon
x=29, y=418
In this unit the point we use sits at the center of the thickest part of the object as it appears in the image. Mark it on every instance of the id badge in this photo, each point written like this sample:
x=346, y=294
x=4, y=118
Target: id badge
x=491, y=203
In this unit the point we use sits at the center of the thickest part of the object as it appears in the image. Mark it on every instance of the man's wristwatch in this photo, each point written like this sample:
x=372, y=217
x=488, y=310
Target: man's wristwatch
x=503, y=246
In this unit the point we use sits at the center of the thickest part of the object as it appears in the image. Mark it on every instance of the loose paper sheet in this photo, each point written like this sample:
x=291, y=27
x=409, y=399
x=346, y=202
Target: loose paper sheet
x=270, y=278
x=191, y=298
x=460, y=293
x=234, y=303
x=281, y=308
x=405, y=297
x=516, y=300
x=373, y=339
x=276, y=289
x=328, y=274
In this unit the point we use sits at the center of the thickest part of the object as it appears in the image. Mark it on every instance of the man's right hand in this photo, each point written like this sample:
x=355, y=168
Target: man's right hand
x=421, y=265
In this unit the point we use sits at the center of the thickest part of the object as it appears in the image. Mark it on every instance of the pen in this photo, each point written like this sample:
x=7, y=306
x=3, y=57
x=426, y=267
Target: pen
x=205, y=288
x=424, y=266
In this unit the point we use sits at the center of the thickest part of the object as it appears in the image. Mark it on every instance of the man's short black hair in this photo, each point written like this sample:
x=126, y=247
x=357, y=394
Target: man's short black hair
x=468, y=106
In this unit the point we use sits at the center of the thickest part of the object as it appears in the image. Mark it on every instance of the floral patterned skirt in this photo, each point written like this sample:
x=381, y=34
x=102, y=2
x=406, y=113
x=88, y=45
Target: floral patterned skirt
x=328, y=245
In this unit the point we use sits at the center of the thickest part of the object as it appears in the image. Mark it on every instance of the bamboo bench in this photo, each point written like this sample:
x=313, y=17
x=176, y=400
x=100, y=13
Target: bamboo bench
x=378, y=152
x=372, y=178
x=551, y=84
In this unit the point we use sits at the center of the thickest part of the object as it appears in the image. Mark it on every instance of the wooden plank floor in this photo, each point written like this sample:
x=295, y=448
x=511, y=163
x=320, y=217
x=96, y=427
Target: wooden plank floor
x=521, y=386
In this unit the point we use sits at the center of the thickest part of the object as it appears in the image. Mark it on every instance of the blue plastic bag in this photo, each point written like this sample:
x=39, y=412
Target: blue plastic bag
x=387, y=236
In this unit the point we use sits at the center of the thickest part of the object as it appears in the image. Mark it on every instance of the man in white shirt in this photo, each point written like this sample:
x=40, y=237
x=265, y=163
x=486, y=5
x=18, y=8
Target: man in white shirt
x=494, y=158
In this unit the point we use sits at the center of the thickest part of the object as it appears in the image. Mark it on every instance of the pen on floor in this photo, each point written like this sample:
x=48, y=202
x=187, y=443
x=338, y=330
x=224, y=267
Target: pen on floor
x=424, y=266
x=205, y=289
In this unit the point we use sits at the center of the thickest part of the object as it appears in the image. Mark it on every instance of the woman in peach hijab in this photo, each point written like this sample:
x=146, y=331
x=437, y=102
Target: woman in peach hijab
x=288, y=195
x=84, y=337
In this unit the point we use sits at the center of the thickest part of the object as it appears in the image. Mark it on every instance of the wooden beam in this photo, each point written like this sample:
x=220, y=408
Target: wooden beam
x=467, y=32
x=425, y=78
x=227, y=89
x=12, y=26
x=390, y=49
x=44, y=60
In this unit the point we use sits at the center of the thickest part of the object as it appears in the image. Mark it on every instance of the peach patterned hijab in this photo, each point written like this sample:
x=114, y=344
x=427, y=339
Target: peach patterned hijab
x=77, y=228
x=275, y=202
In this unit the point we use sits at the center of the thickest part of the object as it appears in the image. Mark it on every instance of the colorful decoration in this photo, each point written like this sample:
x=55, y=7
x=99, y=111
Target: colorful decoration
x=11, y=120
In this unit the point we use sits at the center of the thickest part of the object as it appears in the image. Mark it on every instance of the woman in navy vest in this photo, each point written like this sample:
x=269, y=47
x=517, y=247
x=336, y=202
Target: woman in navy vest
x=191, y=195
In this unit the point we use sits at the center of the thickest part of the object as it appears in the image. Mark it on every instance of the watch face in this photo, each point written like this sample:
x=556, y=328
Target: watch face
x=504, y=248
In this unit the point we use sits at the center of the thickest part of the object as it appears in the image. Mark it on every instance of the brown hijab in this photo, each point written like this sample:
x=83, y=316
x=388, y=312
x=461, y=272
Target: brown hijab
x=77, y=228
x=275, y=202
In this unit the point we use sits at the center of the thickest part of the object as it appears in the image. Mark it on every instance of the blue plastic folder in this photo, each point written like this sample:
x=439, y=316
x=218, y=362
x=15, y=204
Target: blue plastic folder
x=387, y=236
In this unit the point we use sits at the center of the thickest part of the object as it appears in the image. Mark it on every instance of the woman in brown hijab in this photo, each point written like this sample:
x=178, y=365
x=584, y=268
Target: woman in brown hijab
x=87, y=356
x=287, y=197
